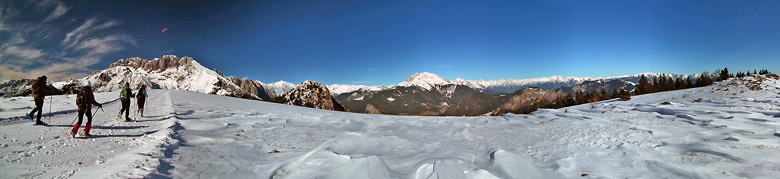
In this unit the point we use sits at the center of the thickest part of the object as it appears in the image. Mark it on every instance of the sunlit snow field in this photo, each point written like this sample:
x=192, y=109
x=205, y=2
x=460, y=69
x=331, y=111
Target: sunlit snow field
x=732, y=132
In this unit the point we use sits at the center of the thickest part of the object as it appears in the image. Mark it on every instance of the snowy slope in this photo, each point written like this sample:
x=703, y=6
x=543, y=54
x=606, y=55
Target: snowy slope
x=730, y=133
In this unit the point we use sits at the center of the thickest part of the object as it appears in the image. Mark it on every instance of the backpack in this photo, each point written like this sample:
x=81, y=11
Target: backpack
x=129, y=93
x=80, y=99
x=141, y=94
x=126, y=93
x=36, y=86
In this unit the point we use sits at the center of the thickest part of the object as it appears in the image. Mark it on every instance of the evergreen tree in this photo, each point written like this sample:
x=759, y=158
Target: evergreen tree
x=579, y=97
x=669, y=83
x=689, y=82
x=661, y=86
x=748, y=73
x=724, y=74
x=559, y=102
x=624, y=94
x=593, y=96
x=644, y=86
x=614, y=93
x=754, y=71
x=654, y=86
x=569, y=100
x=678, y=84
x=604, y=95
x=704, y=80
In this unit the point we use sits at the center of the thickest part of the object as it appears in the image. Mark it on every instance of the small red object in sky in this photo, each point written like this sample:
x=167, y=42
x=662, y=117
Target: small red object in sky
x=164, y=29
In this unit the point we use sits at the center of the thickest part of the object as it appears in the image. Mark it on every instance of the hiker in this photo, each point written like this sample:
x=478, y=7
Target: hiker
x=39, y=92
x=125, y=96
x=141, y=95
x=84, y=100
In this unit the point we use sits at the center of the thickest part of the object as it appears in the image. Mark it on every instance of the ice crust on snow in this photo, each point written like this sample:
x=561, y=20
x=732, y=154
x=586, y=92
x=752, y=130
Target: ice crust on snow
x=193, y=135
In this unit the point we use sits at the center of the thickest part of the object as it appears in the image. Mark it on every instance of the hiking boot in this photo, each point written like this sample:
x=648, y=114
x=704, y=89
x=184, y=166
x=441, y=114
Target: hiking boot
x=39, y=123
x=72, y=134
x=128, y=120
x=87, y=134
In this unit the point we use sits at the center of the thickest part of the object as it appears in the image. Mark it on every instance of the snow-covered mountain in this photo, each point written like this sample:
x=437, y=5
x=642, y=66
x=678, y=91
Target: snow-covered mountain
x=171, y=73
x=278, y=88
x=425, y=80
x=430, y=81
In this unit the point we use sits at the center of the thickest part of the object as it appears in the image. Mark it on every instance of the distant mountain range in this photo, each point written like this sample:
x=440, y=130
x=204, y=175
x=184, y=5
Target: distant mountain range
x=420, y=94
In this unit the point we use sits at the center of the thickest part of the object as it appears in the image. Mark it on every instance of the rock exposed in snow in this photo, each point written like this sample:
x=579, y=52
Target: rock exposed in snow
x=311, y=94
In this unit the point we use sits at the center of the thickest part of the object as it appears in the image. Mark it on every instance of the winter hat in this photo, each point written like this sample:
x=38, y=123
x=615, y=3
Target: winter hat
x=87, y=84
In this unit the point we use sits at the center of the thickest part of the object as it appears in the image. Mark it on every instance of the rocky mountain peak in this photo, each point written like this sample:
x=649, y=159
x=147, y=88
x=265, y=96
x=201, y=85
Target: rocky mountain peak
x=157, y=64
x=311, y=94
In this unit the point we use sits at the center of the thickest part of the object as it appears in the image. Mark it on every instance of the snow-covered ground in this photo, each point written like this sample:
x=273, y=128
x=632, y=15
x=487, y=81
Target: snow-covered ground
x=730, y=133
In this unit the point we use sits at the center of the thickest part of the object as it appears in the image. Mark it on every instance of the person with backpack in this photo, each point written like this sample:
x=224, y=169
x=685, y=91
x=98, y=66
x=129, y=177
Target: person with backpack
x=141, y=95
x=125, y=96
x=39, y=92
x=84, y=100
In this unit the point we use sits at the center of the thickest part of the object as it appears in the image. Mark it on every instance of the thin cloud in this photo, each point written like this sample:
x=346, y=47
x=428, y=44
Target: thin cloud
x=58, y=11
x=167, y=52
x=74, y=37
x=28, y=51
x=22, y=53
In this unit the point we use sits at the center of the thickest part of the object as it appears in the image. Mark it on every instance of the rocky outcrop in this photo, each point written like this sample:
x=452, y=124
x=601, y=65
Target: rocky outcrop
x=311, y=94
x=524, y=101
x=370, y=109
x=254, y=88
x=158, y=64
x=13, y=88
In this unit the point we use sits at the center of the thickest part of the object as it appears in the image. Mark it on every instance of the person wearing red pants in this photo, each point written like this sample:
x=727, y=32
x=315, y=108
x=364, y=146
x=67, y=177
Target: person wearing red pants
x=84, y=100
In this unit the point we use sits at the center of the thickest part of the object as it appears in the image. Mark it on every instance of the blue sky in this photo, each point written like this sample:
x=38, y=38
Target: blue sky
x=383, y=42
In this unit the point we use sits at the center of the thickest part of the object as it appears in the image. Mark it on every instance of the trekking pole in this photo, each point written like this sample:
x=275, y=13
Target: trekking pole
x=77, y=116
x=51, y=98
x=74, y=119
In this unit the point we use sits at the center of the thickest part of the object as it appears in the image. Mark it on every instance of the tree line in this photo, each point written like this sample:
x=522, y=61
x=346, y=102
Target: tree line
x=644, y=86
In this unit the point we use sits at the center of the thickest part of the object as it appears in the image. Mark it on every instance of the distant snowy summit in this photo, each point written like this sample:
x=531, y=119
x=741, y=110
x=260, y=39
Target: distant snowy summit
x=425, y=80
x=431, y=81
